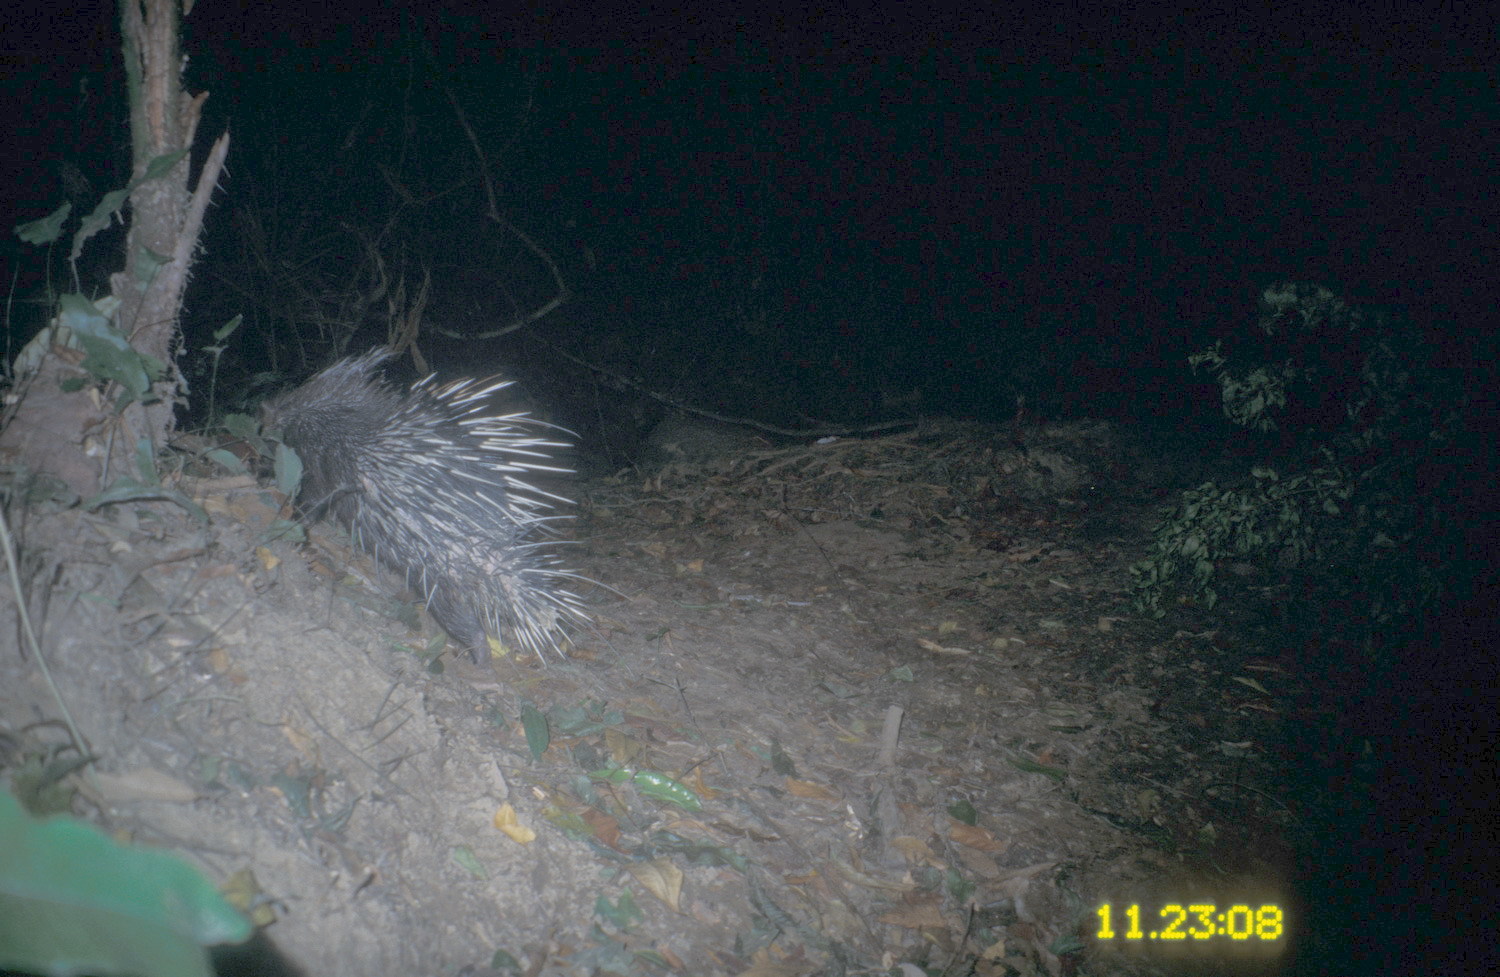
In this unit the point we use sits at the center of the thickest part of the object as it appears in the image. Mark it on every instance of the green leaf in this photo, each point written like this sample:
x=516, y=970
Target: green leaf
x=620, y=915
x=959, y=888
x=1031, y=766
x=660, y=787
x=538, y=737
x=109, y=354
x=98, y=220
x=222, y=333
x=463, y=856
x=145, y=462
x=147, y=264
x=47, y=229
x=241, y=425
x=129, y=490
x=227, y=460
x=76, y=313
x=288, y=470
x=162, y=165
x=72, y=901
x=964, y=811
x=781, y=763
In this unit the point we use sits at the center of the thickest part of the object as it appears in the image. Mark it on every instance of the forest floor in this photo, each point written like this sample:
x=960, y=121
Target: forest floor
x=847, y=706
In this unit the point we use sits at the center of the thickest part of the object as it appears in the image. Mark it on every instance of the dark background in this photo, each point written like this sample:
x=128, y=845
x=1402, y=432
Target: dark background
x=805, y=219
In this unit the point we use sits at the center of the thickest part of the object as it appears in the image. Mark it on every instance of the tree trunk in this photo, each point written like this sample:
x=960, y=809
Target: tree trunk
x=80, y=435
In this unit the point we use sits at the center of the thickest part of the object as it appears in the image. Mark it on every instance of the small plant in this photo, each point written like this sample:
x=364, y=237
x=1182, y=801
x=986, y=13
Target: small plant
x=1354, y=499
x=1292, y=518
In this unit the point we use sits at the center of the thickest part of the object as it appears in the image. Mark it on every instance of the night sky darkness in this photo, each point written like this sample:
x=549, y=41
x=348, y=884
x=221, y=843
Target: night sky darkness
x=864, y=204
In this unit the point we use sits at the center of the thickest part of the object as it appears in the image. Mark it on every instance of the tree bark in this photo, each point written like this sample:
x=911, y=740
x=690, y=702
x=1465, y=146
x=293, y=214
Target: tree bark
x=81, y=436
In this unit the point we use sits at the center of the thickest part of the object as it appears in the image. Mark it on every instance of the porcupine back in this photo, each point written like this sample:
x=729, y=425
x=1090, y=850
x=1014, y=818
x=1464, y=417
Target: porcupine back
x=440, y=490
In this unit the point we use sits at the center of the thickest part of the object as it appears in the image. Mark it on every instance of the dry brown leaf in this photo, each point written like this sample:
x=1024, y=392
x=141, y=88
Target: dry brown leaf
x=810, y=790
x=623, y=748
x=220, y=661
x=975, y=837
x=605, y=828
x=662, y=879
x=695, y=781
x=300, y=740
x=1028, y=871
x=914, y=850
x=851, y=874
x=977, y=863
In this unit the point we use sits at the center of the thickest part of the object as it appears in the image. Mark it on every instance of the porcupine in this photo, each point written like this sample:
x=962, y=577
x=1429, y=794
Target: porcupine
x=438, y=489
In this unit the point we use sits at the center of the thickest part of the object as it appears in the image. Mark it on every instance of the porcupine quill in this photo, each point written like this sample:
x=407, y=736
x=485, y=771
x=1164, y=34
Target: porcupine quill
x=441, y=491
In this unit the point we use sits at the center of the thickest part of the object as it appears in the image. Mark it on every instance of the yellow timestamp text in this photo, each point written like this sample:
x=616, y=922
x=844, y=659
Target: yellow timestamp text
x=1195, y=921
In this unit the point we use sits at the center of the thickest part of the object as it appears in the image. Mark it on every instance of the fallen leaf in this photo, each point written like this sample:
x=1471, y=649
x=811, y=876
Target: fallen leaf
x=851, y=874
x=604, y=827
x=914, y=850
x=245, y=894
x=810, y=790
x=915, y=917
x=938, y=649
x=300, y=740
x=662, y=879
x=508, y=821
x=975, y=837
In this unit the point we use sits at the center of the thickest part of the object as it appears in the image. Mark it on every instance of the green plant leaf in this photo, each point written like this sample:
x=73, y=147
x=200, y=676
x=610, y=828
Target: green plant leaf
x=72, y=901
x=98, y=220
x=288, y=470
x=537, y=735
x=160, y=166
x=47, y=229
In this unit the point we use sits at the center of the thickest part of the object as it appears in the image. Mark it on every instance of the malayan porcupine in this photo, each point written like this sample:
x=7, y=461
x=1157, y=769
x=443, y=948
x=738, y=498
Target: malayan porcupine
x=438, y=489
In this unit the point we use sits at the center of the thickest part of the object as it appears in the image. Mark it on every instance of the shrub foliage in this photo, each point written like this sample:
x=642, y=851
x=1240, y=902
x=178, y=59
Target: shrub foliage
x=1356, y=499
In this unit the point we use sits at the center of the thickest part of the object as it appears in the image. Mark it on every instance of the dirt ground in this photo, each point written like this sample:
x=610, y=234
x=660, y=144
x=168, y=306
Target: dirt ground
x=870, y=703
